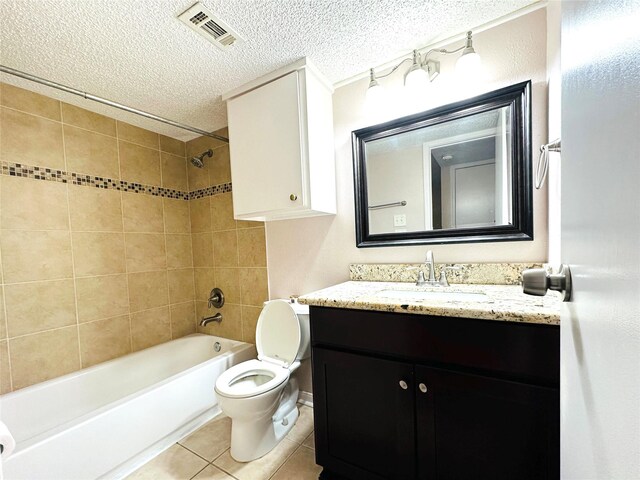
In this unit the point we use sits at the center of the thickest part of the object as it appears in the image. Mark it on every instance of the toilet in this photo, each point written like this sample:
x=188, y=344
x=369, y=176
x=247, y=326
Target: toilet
x=260, y=395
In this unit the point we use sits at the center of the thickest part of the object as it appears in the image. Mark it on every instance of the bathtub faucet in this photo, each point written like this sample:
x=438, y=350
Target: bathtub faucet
x=207, y=320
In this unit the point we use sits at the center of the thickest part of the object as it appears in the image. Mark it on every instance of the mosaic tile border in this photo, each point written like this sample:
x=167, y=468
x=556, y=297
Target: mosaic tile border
x=73, y=178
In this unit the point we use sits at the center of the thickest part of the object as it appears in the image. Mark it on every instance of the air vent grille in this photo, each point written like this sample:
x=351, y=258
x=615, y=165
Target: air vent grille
x=201, y=20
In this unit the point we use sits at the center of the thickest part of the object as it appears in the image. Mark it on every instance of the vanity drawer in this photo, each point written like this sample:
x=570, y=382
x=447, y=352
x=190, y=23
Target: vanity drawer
x=525, y=351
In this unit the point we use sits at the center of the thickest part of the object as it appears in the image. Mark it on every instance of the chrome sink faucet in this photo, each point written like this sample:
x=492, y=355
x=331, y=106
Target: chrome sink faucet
x=430, y=265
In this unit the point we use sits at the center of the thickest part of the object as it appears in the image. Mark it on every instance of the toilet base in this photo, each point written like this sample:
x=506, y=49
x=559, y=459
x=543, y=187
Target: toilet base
x=254, y=439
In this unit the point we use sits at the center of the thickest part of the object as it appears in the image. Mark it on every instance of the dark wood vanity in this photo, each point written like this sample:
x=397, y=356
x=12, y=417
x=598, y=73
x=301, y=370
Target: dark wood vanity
x=406, y=396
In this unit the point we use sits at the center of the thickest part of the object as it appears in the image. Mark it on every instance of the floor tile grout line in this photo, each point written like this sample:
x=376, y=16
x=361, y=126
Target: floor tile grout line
x=199, y=472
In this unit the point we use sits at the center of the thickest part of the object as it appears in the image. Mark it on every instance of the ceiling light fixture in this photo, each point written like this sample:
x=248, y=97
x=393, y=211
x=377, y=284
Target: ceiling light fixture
x=423, y=71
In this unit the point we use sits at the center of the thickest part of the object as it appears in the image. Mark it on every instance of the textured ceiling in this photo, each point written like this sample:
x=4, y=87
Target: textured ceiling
x=136, y=52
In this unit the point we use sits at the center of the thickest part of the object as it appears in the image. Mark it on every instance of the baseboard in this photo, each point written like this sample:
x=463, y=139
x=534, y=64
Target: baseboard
x=306, y=398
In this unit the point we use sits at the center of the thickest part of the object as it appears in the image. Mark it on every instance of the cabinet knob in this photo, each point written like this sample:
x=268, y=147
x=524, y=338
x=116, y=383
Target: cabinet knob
x=403, y=385
x=423, y=388
x=293, y=197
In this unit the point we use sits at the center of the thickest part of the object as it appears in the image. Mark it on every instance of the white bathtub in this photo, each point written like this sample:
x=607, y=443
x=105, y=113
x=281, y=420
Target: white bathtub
x=106, y=420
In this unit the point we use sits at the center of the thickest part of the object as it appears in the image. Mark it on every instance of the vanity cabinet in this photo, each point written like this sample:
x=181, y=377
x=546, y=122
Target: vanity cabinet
x=399, y=396
x=281, y=145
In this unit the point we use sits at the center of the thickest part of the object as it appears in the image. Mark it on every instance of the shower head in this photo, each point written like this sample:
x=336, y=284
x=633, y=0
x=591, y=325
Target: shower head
x=198, y=161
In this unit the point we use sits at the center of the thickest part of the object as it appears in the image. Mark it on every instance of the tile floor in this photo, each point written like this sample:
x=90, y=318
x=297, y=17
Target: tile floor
x=204, y=455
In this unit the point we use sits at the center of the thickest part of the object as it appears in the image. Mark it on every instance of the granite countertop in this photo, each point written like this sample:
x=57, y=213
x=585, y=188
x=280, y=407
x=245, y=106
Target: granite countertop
x=504, y=303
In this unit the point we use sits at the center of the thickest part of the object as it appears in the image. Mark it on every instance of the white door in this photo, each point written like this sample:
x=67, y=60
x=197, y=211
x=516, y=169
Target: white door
x=600, y=327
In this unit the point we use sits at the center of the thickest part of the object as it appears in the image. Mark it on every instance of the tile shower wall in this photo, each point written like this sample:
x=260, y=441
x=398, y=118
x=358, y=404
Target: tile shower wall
x=228, y=254
x=89, y=274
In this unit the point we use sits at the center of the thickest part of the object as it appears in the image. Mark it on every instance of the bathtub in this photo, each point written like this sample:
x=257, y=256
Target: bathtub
x=106, y=420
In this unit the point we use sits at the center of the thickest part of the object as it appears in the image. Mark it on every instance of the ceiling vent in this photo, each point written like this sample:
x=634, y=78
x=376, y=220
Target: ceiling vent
x=200, y=19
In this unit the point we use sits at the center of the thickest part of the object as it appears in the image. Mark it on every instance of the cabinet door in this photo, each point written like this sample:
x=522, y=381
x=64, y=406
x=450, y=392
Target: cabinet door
x=265, y=143
x=470, y=426
x=364, y=419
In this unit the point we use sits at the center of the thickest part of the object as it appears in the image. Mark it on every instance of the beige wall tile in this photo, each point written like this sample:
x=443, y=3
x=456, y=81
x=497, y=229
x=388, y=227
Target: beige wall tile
x=95, y=209
x=254, y=286
x=222, y=212
x=3, y=323
x=30, y=256
x=225, y=248
x=249, y=323
x=228, y=280
x=29, y=102
x=174, y=172
x=249, y=224
x=252, y=251
x=38, y=306
x=139, y=164
x=205, y=282
x=222, y=171
x=39, y=357
x=82, y=118
x=172, y=146
x=181, y=285
x=183, y=319
x=150, y=328
x=179, y=251
x=176, y=216
x=29, y=204
x=98, y=253
x=202, y=247
x=231, y=325
x=142, y=213
x=147, y=290
x=31, y=140
x=103, y=340
x=138, y=135
x=145, y=252
x=200, y=215
x=202, y=144
x=198, y=178
x=91, y=153
x=5, y=376
x=102, y=297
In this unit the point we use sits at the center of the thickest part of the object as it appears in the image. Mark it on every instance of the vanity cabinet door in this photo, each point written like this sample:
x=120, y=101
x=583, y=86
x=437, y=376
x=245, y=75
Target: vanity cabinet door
x=471, y=426
x=364, y=416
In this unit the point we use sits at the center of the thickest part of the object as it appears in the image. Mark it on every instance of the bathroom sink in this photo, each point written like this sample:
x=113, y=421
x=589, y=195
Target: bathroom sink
x=438, y=296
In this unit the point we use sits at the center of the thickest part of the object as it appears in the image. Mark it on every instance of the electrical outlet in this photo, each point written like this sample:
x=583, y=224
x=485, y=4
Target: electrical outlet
x=400, y=220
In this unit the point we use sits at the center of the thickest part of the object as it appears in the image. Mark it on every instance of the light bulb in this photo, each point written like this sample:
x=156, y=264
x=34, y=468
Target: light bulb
x=468, y=65
x=416, y=78
x=375, y=95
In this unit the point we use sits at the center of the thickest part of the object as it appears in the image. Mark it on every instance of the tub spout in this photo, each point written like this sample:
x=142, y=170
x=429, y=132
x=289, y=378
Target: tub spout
x=207, y=320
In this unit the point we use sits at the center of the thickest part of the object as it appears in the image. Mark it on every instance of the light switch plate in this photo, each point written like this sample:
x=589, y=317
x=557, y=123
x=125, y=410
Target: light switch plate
x=400, y=220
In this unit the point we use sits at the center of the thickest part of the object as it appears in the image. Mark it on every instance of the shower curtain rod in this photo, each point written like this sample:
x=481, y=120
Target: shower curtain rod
x=110, y=103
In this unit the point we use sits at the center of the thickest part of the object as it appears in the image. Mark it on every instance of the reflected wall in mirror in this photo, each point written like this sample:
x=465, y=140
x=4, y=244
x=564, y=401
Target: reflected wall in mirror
x=458, y=173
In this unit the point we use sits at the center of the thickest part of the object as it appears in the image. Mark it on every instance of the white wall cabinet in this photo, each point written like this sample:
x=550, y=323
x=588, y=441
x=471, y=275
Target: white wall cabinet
x=281, y=145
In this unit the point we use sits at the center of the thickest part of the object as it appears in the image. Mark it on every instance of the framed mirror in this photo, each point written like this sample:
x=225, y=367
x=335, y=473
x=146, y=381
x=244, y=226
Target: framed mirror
x=459, y=173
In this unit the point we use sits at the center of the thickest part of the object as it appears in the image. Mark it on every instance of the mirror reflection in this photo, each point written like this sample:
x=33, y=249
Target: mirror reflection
x=451, y=175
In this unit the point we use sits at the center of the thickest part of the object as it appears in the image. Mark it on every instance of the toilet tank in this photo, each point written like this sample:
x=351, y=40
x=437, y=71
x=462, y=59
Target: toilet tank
x=302, y=311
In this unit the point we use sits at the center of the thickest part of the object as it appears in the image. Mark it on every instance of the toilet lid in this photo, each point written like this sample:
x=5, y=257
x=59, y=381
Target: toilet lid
x=278, y=333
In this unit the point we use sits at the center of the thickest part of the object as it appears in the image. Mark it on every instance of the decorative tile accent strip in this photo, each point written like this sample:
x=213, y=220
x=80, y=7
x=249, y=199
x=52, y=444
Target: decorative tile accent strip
x=469, y=273
x=210, y=191
x=50, y=175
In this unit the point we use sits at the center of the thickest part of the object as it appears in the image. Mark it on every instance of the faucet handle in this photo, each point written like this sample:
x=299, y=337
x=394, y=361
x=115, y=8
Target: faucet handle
x=443, y=275
x=421, y=280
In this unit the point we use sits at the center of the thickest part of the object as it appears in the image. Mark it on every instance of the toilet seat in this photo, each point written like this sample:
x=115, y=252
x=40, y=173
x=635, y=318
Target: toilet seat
x=247, y=379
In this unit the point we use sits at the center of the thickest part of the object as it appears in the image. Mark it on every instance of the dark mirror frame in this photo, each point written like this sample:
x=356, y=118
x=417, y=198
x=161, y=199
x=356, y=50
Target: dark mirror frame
x=518, y=98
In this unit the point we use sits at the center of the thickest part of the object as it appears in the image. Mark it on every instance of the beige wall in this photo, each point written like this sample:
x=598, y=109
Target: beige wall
x=89, y=274
x=308, y=254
